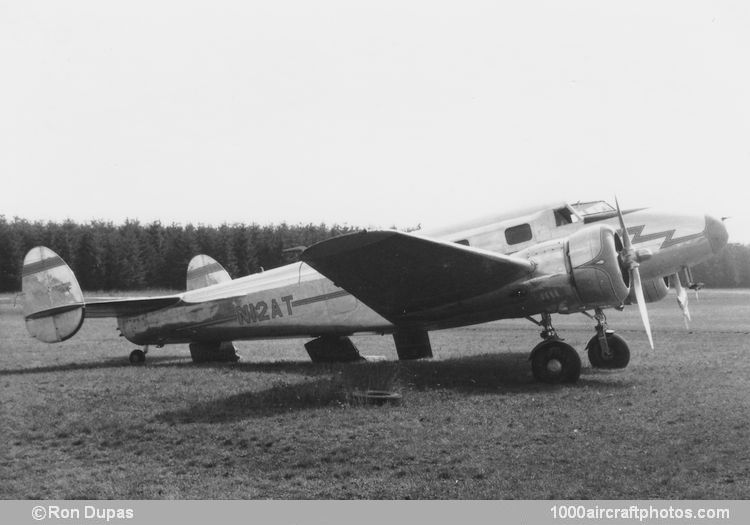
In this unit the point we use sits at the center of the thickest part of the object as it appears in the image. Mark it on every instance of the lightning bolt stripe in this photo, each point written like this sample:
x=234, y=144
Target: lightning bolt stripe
x=668, y=236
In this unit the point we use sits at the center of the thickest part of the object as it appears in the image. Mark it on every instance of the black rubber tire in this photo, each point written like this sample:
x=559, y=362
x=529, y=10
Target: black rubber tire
x=617, y=345
x=376, y=397
x=137, y=357
x=553, y=361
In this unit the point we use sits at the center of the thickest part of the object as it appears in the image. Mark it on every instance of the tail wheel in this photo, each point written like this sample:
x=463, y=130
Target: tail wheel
x=617, y=357
x=137, y=357
x=553, y=361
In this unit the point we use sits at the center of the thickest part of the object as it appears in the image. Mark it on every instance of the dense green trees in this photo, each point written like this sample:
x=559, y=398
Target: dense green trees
x=131, y=256
x=730, y=268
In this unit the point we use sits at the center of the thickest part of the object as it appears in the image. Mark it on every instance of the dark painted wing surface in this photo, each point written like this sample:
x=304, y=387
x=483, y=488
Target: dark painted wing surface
x=403, y=276
x=116, y=307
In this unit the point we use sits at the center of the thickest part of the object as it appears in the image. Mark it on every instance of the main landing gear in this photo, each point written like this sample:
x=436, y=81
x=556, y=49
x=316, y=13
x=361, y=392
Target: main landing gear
x=138, y=356
x=607, y=350
x=553, y=361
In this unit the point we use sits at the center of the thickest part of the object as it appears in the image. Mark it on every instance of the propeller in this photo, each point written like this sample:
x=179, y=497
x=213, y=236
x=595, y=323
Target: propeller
x=682, y=298
x=630, y=261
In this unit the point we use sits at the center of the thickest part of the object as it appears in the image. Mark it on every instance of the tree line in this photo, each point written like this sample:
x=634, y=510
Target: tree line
x=730, y=268
x=133, y=256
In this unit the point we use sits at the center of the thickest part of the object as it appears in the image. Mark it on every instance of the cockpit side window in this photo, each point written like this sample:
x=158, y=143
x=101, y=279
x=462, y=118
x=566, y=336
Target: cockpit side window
x=518, y=234
x=563, y=216
x=592, y=208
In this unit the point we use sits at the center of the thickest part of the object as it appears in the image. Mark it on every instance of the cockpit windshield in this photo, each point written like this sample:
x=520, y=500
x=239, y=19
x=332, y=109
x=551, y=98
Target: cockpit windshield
x=592, y=208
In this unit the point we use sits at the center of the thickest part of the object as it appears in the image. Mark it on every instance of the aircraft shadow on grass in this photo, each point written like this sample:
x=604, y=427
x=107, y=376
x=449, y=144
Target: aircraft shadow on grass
x=115, y=362
x=331, y=385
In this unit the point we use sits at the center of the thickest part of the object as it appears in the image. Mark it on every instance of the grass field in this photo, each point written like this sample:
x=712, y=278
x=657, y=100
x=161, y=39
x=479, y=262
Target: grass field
x=77, y=421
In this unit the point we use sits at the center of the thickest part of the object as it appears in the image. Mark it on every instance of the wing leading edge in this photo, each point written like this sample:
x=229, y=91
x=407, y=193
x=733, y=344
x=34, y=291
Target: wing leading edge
x=406, y=277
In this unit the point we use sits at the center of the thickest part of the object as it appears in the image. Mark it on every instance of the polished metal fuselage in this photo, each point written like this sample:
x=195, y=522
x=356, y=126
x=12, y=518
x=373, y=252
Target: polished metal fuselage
x=297, y=301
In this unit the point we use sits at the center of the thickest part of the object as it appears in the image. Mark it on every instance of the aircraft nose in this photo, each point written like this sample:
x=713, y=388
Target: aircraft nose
x=716, y=233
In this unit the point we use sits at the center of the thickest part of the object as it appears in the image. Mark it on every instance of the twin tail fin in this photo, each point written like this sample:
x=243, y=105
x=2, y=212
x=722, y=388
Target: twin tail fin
x=53, y=304
x=204, y=271
x=54, y=308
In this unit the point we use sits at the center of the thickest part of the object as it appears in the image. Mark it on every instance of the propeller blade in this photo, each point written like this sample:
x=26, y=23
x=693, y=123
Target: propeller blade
x=682, y=298
x=630, y=261
x=635, y=277
x=625, y=236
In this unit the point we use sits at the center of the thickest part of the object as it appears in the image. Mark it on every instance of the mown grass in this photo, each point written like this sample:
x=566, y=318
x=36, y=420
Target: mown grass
x=79, y=422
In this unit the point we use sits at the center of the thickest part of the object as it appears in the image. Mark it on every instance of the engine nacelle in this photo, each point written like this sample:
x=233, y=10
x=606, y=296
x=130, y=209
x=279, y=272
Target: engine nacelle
x=595, y=269
x=577, y=273
x=653, y=290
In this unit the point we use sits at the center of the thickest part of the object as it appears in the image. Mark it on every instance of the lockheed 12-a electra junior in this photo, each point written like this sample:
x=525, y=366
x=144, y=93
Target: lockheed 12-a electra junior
x=562, y=259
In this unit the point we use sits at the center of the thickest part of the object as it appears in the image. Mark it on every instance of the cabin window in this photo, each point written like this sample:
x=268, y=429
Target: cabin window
x=463, y=242
x=518, y=234
x=563, y=216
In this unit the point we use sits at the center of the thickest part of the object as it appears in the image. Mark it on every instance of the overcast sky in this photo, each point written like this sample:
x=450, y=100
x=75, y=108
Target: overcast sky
x=370, y=113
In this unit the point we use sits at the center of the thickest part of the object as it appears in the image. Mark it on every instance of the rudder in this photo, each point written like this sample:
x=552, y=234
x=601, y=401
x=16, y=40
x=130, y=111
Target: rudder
x=205, y=271
x=53, y=306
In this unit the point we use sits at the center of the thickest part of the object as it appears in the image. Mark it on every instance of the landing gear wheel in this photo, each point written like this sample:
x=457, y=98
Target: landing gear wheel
x=137, y=357
x=619, y=353
x=553, y=361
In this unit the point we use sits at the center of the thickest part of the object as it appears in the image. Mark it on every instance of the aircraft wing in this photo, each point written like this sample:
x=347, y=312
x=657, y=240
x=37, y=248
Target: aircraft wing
x=115, y=307
x=404, y=276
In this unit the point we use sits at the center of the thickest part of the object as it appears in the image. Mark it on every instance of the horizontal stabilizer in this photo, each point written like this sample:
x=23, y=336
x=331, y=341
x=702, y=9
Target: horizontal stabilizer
x=204, y=271
x=406, y=277
x=54, y=307
x=116, y=307
x=53, y=303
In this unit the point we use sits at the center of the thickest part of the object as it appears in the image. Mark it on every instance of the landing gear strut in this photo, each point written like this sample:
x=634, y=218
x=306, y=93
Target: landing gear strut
x=607, y=350
x=138, y=356
x=552, y=360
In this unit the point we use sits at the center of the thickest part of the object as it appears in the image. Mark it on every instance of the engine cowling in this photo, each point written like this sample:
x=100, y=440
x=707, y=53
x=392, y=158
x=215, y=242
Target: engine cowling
x=653, y=290
x=595, y=270
x=580, y=272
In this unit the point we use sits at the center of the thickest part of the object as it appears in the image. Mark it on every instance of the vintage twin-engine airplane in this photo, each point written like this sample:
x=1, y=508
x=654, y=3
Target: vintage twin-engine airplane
x=558, y=259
